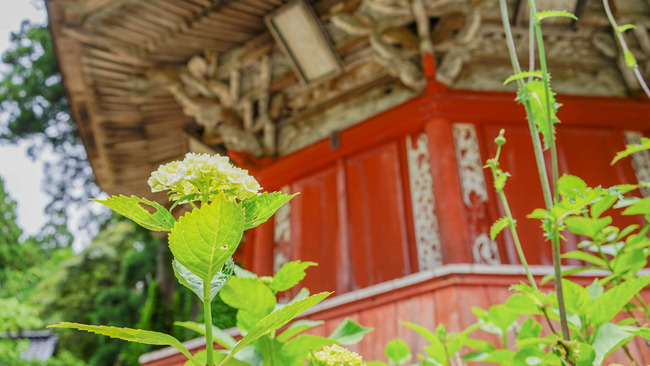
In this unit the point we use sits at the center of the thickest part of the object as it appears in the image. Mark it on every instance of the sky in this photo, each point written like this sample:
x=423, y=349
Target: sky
x=23, y=178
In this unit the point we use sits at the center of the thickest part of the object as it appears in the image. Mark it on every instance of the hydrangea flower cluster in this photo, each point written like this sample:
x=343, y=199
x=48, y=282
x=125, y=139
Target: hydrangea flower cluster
x=334, y=355
x=201, y=176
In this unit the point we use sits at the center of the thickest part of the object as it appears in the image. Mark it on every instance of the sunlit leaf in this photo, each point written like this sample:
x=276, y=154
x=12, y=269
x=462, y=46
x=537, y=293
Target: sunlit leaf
x=204, y=239
x=349, y=332
x=261, y=207
x=524, y=75
x=218, y=335
x=132, y=208
x=397, y=351
x=625, y=27
x=298, y=327
x=253, y=299
x=555, y=14
x=540, y=106
x=498, y=226
x=132, y=335
x=631, y=149
x=194, y=283
x=289, y=275
x=608, y=338
x=613, y=301
x=277, y=320
x=630, y=60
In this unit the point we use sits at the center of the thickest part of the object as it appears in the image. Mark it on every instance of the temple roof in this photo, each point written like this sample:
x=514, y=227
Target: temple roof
x=149, y=80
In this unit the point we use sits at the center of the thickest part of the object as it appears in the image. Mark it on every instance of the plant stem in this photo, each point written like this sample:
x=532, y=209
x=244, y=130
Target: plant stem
x=559, y=288
x=207, y=316
x=537, y=145
x=624, y=46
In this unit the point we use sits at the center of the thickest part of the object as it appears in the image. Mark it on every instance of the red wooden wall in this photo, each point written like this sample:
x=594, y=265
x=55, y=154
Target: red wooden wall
x=354, y=213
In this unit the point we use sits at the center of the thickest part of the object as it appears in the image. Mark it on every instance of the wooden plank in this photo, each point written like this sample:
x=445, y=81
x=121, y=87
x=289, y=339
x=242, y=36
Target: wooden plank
x=110, y=65
x=174, y=7
x=110, y=56
x=249, y=19
x=247, y=8
x=383, y=319
x=419, y=310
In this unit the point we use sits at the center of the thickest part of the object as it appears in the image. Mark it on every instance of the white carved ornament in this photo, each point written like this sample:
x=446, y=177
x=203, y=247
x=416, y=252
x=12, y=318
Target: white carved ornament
x=485, y=250
x=281, y=235
x=424, y=217
x=640, y=160
x=470, y=168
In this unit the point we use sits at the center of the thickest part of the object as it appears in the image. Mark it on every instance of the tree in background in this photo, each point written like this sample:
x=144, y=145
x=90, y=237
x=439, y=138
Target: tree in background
x=37, y=114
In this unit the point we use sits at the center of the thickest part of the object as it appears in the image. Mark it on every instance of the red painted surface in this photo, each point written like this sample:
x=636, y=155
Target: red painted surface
x=446, y=299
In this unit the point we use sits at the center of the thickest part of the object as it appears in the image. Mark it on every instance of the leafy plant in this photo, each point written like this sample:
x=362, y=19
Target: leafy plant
x=225, y=202
x=255, y=298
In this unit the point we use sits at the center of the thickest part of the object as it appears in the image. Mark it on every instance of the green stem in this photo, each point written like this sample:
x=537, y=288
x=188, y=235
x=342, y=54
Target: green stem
x=515, y=237
x=207, y=316
x=534, y=133
x=624, y=46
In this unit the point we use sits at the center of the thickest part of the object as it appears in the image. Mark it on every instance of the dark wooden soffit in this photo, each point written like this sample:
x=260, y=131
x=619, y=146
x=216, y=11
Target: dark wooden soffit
x=102, y=44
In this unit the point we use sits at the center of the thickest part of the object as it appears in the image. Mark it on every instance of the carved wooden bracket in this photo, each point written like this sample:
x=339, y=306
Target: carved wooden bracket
x=227, y=115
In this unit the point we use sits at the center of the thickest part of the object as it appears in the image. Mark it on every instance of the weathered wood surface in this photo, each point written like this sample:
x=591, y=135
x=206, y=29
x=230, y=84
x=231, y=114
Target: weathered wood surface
x=443, y=296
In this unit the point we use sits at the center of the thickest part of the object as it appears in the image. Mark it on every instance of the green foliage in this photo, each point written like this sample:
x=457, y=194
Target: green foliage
x=261, y=207
x=631, y=149
x=523, y=75
x=132, y=335
x=542, y=100
x=554, y=14
x=132, y=208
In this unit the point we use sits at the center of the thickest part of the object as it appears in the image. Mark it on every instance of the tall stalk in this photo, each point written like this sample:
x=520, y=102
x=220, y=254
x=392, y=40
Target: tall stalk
x=207, y=315
x=549, y=190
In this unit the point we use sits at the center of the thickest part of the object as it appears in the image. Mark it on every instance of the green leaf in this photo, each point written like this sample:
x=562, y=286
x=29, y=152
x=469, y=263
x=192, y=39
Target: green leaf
x=131, y=335
x=132, y=208
x=204, y=239
x=584, y=256
x=277, y=320
x=631, y=149
x=261, y=207
x=586, y=225
x=201, y=357
x=576, y=298
x=397, y=351
x=538, y=213
x=500, y=356
x=498, y=226
x=540, y=105
x=625, y=27
x=529, y=329
x=570, y=186
x=643, y=333
x=630, y=60
x=194, y=283
x=631, y=260
x=289, y=275
x=349, y=332
x=424, y=332
x=595, y=290
x=253, y=299
x=294, y=352
x=566, y=272
x=608, y=338
x=613, y=301
x=555, y=14
x=218, y=335
x=640, y=207
x=603, y=205
x=524, y=75
x=298, y=327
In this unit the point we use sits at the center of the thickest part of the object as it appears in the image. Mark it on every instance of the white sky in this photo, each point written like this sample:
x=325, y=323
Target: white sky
x=22, y=177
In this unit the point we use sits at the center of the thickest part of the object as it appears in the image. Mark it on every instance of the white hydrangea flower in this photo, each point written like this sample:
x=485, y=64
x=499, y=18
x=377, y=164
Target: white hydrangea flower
x=203, y=174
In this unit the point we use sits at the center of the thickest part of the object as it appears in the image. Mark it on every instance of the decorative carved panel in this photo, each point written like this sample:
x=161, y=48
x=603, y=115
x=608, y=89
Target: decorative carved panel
x=282, y=235
x=427, y=237
x=470, y=167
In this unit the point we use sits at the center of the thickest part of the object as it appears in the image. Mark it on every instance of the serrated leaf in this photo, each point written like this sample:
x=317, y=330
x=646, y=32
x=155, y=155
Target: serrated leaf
x=202, y=356
x=261, y=207
x=218, y=335
x=576, y=298
x=295, y=351
x=523, y=75
x=583, y=256
x=253, y=299
x=298, y=327
x=397, y=351
x=587, y=226
x=540, y=105
x=131, y=335
x=630, y=60
x=194, y=283
x=349, y=332
x=631, y=149
x=277, y=320
x=498, y=226
x=289, y=275
x=603, y=205
x=613, y=301
x=131, y=208
x=204, y=239
x=555, y=14
x=608, y=338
